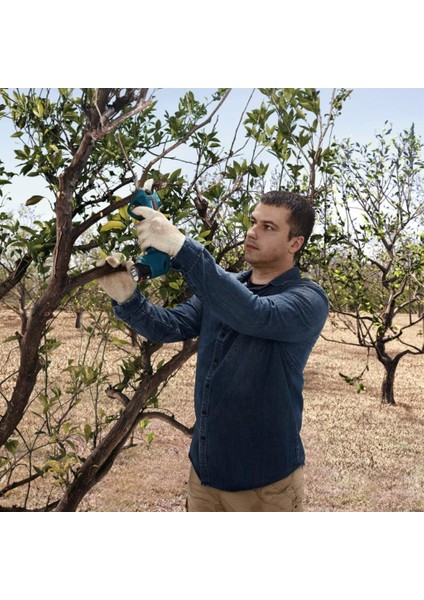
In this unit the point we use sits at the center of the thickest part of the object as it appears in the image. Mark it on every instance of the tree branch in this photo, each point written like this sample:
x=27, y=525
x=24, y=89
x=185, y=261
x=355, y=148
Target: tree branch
x=13, y=279
x=90, y=275
x=170, y=419
x=182, y=140
x=17, y=484
x=115, y=123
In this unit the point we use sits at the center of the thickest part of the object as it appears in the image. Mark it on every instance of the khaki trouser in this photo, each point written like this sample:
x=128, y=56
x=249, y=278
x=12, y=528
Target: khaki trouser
x=285, y=495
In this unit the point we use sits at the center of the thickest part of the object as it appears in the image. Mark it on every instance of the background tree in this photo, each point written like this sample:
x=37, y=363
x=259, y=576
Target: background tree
x=374, y=253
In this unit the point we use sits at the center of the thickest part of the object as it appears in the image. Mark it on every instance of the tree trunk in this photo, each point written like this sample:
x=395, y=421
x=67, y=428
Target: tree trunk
x=387, y=387
x=29, y=367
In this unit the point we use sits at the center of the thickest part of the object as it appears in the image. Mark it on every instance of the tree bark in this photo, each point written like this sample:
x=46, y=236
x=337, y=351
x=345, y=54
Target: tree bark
x=78, y=318
x=30, y=365
x=387, y=388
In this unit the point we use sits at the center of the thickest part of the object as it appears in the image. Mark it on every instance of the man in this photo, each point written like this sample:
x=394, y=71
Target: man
x=256, y=331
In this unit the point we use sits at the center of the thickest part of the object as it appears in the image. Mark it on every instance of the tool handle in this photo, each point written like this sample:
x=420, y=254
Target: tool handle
x=142, y=198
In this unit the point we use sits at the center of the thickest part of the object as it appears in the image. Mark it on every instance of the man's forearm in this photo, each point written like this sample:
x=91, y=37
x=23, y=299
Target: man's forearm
x=157, y=323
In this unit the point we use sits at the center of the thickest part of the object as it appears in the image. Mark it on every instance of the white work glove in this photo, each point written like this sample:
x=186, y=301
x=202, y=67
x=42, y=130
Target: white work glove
x=157, y=232
x=120, y=286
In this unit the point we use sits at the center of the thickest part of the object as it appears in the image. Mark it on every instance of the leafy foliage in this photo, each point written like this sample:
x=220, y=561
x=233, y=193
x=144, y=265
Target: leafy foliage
x=90, y=146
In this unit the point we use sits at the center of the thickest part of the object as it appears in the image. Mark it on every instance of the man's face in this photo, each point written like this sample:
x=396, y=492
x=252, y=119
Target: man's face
x=267, y=243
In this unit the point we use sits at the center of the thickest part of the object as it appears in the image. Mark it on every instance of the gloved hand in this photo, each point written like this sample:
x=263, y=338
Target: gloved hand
x=157, y=232
x=120, y=286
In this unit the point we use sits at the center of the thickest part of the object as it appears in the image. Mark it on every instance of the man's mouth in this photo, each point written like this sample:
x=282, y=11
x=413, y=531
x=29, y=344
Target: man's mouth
x=249, y=246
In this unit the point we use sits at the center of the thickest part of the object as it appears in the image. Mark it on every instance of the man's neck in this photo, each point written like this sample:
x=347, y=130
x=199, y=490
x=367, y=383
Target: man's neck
x=264, y=276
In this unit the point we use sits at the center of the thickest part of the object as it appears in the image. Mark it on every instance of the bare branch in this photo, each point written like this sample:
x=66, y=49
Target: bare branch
x=117, y=395
x=17, y=484
x=170, y=419
x=115, y=123
x=47, y=508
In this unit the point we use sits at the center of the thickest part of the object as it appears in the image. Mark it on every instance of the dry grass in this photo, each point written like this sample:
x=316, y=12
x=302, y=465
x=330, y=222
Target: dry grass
x=361, y=455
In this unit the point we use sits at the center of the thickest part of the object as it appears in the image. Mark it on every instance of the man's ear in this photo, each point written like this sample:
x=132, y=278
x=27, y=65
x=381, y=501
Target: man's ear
x=296, y=243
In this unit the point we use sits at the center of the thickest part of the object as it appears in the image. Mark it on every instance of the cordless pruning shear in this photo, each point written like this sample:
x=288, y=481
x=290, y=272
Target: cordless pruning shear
x=153, y=263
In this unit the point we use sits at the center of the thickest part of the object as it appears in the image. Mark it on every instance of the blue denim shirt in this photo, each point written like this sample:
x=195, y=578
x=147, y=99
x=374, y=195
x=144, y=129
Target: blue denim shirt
x=253, y=347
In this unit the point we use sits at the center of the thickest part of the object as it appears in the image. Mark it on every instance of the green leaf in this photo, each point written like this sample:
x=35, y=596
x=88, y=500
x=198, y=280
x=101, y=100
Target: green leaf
x=39, y=110
x=182, y=215
x=174, y=176
x=113, y=225
x=348, y=379
x=300, y=114
x=118, y=342
x=123, y=213
x=87, y=431
x=11, y=338
x=33, y=200
x=11, y=445
x=71, y=444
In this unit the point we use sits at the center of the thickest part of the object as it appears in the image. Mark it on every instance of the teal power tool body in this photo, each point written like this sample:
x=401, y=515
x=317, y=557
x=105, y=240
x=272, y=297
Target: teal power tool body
x=153, y=263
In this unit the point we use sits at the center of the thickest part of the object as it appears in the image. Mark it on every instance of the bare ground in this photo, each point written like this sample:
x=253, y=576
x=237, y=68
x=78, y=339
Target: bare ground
x=361, y=455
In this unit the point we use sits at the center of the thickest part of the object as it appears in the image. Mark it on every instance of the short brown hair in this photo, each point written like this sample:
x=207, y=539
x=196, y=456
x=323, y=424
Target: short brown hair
x=302, y=213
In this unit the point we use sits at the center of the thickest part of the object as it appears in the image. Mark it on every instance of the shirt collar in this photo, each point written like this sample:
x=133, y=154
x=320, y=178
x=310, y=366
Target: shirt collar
x=291, y=275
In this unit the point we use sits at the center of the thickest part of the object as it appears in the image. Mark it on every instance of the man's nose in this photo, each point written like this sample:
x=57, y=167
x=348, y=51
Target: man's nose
x=252, y=232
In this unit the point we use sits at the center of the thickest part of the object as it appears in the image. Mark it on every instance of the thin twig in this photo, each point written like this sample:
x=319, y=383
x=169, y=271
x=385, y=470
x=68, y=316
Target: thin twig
x=118, y=135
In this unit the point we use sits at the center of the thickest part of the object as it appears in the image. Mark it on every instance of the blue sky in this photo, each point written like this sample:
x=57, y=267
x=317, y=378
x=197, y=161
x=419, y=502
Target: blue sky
x=363, y=116
x=367, y=109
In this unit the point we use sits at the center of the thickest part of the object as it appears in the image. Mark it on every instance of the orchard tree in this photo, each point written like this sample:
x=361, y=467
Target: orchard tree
x=85, y=145
x=293, y=127
x=91, y=147
x=374, y=259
